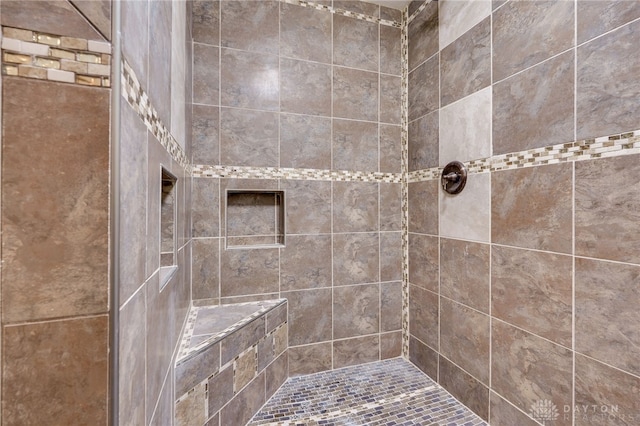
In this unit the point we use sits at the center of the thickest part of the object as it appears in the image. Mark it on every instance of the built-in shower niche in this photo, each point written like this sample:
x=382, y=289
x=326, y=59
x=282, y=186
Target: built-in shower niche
x=168, y=196
x=254, y=218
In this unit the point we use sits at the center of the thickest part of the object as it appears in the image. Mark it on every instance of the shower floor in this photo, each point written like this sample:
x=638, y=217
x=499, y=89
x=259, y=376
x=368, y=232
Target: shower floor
x=390, y=392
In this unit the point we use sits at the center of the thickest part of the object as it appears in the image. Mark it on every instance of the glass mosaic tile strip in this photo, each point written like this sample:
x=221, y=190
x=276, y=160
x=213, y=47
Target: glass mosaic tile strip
x=343, y=12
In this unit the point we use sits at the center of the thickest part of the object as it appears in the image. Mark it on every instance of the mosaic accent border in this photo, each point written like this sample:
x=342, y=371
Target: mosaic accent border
x=404, y=105
x=343, y=12
x=43, y=56
x=139, y=100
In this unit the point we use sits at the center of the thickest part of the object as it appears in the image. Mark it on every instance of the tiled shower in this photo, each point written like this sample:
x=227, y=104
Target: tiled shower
x=523, y=290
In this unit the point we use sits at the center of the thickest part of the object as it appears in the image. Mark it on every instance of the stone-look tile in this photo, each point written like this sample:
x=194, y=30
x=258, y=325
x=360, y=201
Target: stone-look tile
x=206, y=74
x=250, y=214
x=305, y=33
x=390, y=59
x=310, y=316
x=355, y=43
x=607, y=88
x=55, y=206
x=390, y=14
x=423, y=315
x=423, y=89
x=223, y=385
x=390, y=306
x=528, y=369
x=526, y=33
x=355, y=94
x=423, y=207
x=276, y=374
x=305, y=141
x=245, y=404
x=205, y=210
x=355, y=258
x=390, y=345
x=607, y=209
x=244, y=369
x=355, y=206
x=44, y=364
x=163, y=415
x=205, y=143
x=305, y=87
x=607, y=320
x=531, y=208
x=98, y=13
x=213, y=421
x=603, y=387
x=390, y=96
x=464, y=388
x=455, y=221
x=356, y=351
x=465, y=64
x=598, y=17
x=535, y=108
x=248, y=138
x=533, y=291
x=159, y=87
x=355, y=145
x=252, y=26
x=205, y=18
x=356, y=311
x=458, y=17
x=308, y=209
x=465, y=129
x=414, y=6
x=464, y=273
x=132, y=360
x=192, y=409
x=423, y=35
x=305, y=262
x=237, y=342
x=465, y=338
x=502, y=413
x=423, y=357
x=276, y=317
x=390, y=152
x=424, y=142
x=423, y=261
x=310, y=359
x=390, y=257
x=135, y=23
x=157, y=159
x=390, y=206
x=249, y=80
x=206, y=265
x=365, y=8
x=239, y=269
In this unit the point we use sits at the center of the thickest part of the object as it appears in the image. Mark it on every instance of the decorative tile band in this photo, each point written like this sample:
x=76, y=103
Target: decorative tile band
x=343, y=12
x=42, y=56
x=586, y=149
x=139, y=100
x=404, y=105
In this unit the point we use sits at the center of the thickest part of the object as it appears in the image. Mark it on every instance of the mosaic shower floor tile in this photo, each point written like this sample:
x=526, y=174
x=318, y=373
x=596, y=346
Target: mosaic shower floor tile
x=390, y=392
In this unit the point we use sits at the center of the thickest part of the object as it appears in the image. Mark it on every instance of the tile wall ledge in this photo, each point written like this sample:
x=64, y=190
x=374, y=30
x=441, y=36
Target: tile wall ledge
x=343, y=12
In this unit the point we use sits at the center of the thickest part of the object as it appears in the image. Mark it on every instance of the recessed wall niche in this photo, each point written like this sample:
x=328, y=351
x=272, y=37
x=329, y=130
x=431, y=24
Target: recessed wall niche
x=254, y=218
x=168, y=196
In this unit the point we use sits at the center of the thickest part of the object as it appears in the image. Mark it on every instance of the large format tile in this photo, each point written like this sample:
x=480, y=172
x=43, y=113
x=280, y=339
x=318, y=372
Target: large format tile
x=305, y=87
x=457, y=17
x=424, y=142
x=245, y=404
x=305, y=262
x=206, y=265
x=423, y=35
x=359, y=350
x=305, y=33
x=305, y=141
x=390, y=306
x=464, y=272
x=356, y=310
x=239, y=269
x=455, y=220
x=98, y=13
x=465, y=388
x=205, y=132
x=355, y=206
x=310, y=317
x=390, y=256
x=391, y=345
x=390, y=97
x=355, y=258
x=205, y=18
x=390, y=151
x=355, y=43
x=390, y=59
x=423, y=207
x=598, y=17
x=249, y=80
x=390, y=207
x=423, y=261
x=423, y=357
x=355, y=145
x=362, y=7
x=205, y=213
x=248, y=138
x=135, y=23
x=160, y=79
x=310, y=359
x=355, y=94
x=308, y=206
x=206, y=74
x=424, y=318
x=423, y=89
x=131, y=395
x=252, y=26
x=505, y=414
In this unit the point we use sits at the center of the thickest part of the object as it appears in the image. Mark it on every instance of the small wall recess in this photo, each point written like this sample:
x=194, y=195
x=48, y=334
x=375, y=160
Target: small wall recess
x=168, y=197
x=254, y=218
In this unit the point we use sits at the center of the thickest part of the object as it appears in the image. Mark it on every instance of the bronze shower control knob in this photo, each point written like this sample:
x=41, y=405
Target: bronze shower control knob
x=454, y=177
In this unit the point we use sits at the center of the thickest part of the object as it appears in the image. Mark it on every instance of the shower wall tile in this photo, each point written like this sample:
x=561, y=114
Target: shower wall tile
x=455, y=222
x=533, y=291
x=239, y=269
x=248, y=137
x=547, y=375
x=308, y=206
x=205, y=211
x=390, y=207
x=131, y=397
x=390, y=96
x=251, y=26
x=355, y=258
x=206, y=74
x=423, y=205
x=305, y=262
x=355, y=43
x=223, y=384
x=390, y=14
x=423, y=33
x=598, y=17
x=531, y=208
x=464, y=388
x=390, y=257
x=157, y=158
x=305, y=33
x=423, y=261
x=390, y=152
x=98, y=13
x=197, y=369
x=277, y=373
x=423, y=357
x=55, y=219
x=457, y=17
x=465, y=338
x=206, y=264
x=164, y=412
x=248, y=79
x=610, y=58
x=160, y=77
x=356, y=351
x=526, y=33
x=423, y=88
x=414, y=6
x=310, y=317
x=390, y=345
x=305, y=141
x=43, y=365
x=363, y=299
x=535, y=108
x=424, y=318
x=465, y=64
x=205, y=141
x=355, y=94
x=464, y=273
x=365, y=8
x=355, y=206
x=310, y=359
x=305, y=87
x=391, y=306
x=245, y=403
x=205, y=16
x=355, y=145
x=606, y=323
x=390, y=58
x=192, y=410
x=424, y=142
x=607, y=209
x=505, y=414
